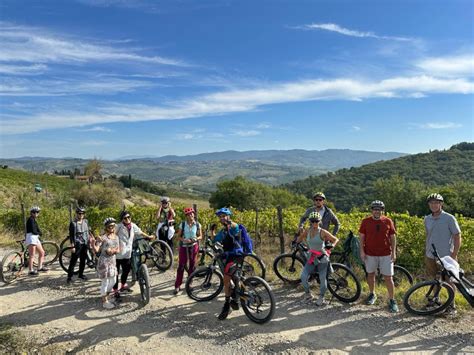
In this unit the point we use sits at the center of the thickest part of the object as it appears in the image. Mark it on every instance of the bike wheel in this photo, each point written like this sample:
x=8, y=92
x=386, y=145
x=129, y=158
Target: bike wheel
x=257, y=299
x=204, y=258
x=64, y=243
x=337, y=257
x=401, y=276
x=144, y=282
x=288, y=268
x=65, y=259
x=162, y=255
x=428, y=297
x=204, y=284
x=253, y=266
x=12, y=263
x=51, y=252
x=343, y=284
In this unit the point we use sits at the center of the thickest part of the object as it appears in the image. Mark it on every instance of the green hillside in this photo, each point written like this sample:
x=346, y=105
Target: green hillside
x=449, y=171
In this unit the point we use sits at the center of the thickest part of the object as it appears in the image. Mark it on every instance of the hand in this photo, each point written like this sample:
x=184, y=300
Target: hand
x=454, y=256
x=73, y=250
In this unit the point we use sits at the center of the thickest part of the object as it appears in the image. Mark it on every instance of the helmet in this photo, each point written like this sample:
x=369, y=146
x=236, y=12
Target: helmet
x=319, y=194
x=188, y=210
x=80, y=209
x=223, y=210
x=314, y=216
x=377, y=204
x=165, y=199
x=124, y=213
x=434, y=196
x=35, y=209
x=109, y=220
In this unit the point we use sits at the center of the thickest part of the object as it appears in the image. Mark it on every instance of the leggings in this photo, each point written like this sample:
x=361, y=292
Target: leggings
x=81, y=254
x=126, y=265
x=106, y=285
x=186, y=254
x=322, y=270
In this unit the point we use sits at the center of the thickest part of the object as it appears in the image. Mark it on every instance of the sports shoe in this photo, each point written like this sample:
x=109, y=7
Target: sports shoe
x=175, y=291
x=234, y=304
x=108, y=305
x=69, y=280
x=226, y=310
x=320, y=301
x=125, y=288
x=371, y=299
x=33, y=273
x=43, y=269
x=82, y=277
x=392, y=306
x=307, y=297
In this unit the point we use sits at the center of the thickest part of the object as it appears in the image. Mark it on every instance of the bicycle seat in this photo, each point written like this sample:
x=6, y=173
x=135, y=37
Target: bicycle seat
x=20, y=241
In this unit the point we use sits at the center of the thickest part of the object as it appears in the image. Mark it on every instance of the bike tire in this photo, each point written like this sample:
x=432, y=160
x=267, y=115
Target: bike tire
x=417, y=297
x=257, y=294
x=51, y=252
x=11, y=267
x=144, y=282
x=337, y=257
x=288, y=268
x=65, y=260
x=204, y=284
x=64, y=243
x=206, y=260
x=343, y=284
x=162, y=255
x=401, y=276
x=253, y=266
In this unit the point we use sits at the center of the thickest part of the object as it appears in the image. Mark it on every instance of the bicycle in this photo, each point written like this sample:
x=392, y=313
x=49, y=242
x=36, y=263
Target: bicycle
x=256, y=296
x=252, y=264
x=400, y=274
x=342, y=282
x=13, y=263
x=140, y=253
x=65, y=259
x=434, y=296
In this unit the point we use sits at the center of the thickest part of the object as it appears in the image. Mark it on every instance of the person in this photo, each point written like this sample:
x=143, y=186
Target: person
x=165, y=216
x=79, y=238
x=230, y=238
x=378, y=251
x=318, y=241
x=327, y=215
x=33, y=233
x=126, y=231
x=189, y=234
x=108, y=247
x=442, y=230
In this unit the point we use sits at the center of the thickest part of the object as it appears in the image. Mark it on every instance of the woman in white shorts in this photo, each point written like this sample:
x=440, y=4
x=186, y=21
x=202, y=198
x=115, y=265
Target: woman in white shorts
x=33, y=233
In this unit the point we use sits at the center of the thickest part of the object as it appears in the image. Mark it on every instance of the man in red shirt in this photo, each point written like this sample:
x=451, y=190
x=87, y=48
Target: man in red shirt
x=378, y=250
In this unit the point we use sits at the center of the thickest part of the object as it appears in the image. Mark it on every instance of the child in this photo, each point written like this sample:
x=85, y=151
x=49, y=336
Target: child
x=108, y=246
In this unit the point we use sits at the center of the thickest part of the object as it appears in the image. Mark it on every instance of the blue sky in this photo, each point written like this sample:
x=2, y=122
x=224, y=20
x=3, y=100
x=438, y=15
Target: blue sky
x=114, y=78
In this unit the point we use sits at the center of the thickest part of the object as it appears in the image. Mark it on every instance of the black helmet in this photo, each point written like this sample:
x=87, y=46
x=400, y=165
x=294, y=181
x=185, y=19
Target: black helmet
x=35, y=209
x=434, y=196
x=80, y=209
x=377, y=204
x=109, y=220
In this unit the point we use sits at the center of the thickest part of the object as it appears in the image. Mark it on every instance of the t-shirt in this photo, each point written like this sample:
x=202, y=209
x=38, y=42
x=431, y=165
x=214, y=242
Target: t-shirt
x=125, y=237
x=440, y=231
x=377, y=235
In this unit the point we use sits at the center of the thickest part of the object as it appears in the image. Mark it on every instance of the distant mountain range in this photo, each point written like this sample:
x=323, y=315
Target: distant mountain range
x=201, y=172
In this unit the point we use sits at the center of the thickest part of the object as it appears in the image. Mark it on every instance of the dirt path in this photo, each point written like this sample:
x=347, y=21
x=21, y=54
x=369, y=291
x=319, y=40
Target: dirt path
x=70, y=318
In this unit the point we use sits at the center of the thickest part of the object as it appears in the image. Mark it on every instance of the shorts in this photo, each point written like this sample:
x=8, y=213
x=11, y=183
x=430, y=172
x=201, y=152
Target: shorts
x=384, y=263
x=432, y=267
x=232, y=264
x=32, y=239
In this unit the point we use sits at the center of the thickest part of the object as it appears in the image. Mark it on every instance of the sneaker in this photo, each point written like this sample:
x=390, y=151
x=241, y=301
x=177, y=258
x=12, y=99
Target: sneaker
x=307, y=297
x=392, y=306
x=43, y=269
x=234, y=304
x=82, y=277
x=371, y=299
x=175, y=291
x=69, y=280
x=320, y=301
x=125, y=288
x=108, y=305
x=33, y=273
x=226, y=310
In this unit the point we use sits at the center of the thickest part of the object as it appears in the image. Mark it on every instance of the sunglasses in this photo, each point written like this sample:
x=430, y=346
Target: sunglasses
x=126, y=217
x=111, y=226
x=377, y=209
x=80, y=212
x=318, y=199
x=314, y=221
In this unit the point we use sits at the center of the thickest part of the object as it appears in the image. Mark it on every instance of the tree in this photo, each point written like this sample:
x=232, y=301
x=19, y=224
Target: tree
x=92, y=170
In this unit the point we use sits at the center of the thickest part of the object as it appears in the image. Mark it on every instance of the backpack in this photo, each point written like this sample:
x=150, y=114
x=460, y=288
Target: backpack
x=247, y=243
x=355, y=248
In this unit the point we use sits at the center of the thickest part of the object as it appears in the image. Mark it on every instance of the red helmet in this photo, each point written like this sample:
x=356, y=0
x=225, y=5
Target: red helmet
x=188, y=210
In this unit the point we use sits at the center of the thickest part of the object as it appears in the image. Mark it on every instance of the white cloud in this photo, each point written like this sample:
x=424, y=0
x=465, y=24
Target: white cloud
x=356, y=128
x=243, y=100
x=332, y=27
x=97, y=129
x=249, y=133
x=439, y=125
x=35, y=69
x=462, y=65
x=34, y=45
x=92, y=143
x=263, y=125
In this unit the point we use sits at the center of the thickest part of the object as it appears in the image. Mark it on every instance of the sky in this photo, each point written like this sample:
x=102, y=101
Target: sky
x=123, y=78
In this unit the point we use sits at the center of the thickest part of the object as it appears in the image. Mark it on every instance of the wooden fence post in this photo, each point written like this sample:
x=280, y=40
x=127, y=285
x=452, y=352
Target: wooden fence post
x=195, y=208
x=280, y=229
x=23, y=215
x=257, y=236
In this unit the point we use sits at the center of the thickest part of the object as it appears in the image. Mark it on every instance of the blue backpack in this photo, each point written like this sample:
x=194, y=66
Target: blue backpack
x=247, y=244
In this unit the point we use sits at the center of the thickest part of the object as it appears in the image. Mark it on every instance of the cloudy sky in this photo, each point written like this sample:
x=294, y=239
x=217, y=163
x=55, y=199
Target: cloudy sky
x=114, y=78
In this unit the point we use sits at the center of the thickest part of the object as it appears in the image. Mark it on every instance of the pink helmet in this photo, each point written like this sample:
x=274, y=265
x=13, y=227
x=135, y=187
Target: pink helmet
x=188, y=210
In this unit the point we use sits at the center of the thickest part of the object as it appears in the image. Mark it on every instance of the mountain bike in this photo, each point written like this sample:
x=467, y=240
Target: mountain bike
x=141, y=251
x=349, y=258
x=252, y=265
x=13, y=263
x=65, y=259
x=342, y=282
x=256, y=296
x=434, y=296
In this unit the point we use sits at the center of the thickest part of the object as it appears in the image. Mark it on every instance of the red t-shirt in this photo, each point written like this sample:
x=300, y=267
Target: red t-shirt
x=377, y=235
